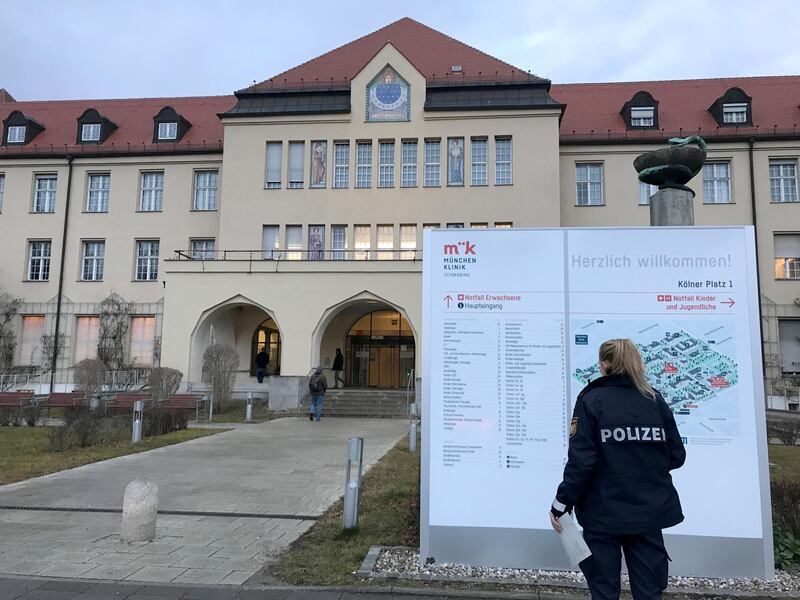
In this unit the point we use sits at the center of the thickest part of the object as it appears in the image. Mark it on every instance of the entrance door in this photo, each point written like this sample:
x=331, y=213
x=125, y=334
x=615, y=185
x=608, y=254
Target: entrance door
x=383, y=367
x=360, y=361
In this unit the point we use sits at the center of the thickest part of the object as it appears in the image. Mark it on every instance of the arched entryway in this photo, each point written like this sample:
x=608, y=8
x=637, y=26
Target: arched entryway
x=267, y=337
x=380, y=350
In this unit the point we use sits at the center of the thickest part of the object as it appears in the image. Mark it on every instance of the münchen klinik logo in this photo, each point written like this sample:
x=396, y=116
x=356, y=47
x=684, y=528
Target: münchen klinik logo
x=458, y=255
x=457, y=248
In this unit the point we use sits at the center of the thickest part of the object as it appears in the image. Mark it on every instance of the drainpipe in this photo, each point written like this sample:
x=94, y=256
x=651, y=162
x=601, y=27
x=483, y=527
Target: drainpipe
x=751, y=143
x=57, y=336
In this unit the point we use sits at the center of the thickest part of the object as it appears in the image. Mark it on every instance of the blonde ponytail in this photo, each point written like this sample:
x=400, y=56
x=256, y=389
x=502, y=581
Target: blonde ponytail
x=623, y=358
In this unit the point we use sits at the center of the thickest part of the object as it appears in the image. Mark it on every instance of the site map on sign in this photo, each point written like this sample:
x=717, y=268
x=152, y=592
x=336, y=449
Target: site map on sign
x=690, y=363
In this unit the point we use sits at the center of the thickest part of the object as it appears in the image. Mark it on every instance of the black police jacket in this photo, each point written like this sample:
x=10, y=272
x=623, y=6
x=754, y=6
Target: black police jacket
x=622, y=447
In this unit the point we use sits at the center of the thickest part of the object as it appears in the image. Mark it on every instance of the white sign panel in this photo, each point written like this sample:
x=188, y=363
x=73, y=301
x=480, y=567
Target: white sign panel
x=513, y=323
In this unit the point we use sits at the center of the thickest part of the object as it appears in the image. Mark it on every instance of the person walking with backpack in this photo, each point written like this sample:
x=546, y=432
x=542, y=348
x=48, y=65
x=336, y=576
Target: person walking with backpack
x=317, y=386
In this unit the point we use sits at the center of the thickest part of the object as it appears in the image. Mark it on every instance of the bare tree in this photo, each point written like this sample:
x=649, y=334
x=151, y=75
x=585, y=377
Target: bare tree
x=90, y=375
x=9, y=308
x=49, y=351
x=115, y=315
x=163, y=382
x=219, y=364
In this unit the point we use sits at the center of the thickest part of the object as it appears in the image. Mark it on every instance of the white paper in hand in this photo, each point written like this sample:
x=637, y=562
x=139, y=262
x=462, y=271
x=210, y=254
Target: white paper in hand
x=572, y=541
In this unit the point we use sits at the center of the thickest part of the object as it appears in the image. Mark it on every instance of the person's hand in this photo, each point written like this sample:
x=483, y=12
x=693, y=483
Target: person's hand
x=554, y=522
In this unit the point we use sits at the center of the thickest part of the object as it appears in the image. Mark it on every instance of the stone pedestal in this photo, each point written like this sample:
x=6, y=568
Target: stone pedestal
x=672, y=206
x=140, y=511
x=287, y=392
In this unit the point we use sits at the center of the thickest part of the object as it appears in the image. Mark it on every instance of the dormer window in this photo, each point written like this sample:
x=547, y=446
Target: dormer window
x=20, y=129
x=94, y=128
x=641, y=111
x=733, y=109
x=167, y=131
x=169, y=126
x=90, y=132
x=16, y=134
x=734, y=113
x=642, y=116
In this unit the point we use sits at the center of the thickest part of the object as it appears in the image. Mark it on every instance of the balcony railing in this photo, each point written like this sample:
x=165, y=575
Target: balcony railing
x=299, y=255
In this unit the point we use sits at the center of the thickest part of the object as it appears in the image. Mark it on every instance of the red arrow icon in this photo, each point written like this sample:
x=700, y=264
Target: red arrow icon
x=730, y=302
x=448, y=299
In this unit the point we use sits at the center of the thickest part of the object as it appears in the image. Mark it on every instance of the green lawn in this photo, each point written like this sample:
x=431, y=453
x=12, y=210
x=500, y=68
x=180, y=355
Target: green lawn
x=786, y=461
x=325, y=555
x=235, y=413
x=25, y=451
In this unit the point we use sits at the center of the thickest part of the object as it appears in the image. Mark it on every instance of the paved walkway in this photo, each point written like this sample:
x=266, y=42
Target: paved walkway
x=248, y=493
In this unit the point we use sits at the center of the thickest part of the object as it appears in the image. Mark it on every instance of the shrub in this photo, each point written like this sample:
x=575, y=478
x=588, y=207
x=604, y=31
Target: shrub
x=180, y=421
x=158, y=421
x=787, y=548
x=73, y=414
x=60, y=438
x=5, y=416
x=85, y=430
x=219, y=364
x=90, y=375
x=112, y=429
x=787, y=431
x=16, y=417
x=164, y=382
x=785, y=500
x=30, y=414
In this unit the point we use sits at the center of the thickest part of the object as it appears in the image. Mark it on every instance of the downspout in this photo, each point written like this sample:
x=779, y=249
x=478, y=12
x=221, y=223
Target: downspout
x=751, y=143
x=57, y=336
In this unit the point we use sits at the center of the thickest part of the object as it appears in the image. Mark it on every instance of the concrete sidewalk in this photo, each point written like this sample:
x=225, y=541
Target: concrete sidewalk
x=248, y=493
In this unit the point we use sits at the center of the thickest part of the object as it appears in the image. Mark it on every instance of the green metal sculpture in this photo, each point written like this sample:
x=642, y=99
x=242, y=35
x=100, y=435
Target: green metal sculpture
x=674, y=166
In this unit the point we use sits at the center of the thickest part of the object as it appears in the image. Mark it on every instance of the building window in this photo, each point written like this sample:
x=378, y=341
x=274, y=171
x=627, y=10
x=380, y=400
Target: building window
x=433, y=163
x=294, y=242
x=93, y=260
x=97, y=197
x=364, y=164
x=502, y=161
x=339, y=242
x=341, y=165
x=789, y=338
x=87, y=338
x=147, y=260
x=408, y=242
x=480, y=171
x=152, y=194
x=642, y=116
x=589, y=182
x=30, y=348
x=44, y=199
x=645, y=191
x=361, y=242
x=39, y=260
x=386, y=164
x=296, y=168
x=205, y=190
x=734, y=113
x=274, y=165
x=455, y=226
x=385, y=240
x=202, y=249
x=408, y=176
x=269, y=238
x=717, y=183
x=787, y=256
x=479, y=225
x=142, y=340
x=168, y=131
x=90, y=132
x=316, y=242
x=505, y=225
x=783, y=180
x=2, y=189
x=16, y=134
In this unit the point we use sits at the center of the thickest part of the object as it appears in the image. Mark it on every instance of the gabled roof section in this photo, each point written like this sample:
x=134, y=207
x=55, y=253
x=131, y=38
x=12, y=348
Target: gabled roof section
x=5, y=96
x=431, y=52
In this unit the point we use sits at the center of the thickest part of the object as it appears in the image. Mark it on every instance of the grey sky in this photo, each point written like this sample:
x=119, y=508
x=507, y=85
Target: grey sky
x=56, y=49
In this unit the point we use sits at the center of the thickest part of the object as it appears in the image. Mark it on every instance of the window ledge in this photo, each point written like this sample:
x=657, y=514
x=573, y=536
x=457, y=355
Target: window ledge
x=718, y=203
x=787, y=202
x=589, y=205
x=150, y=211
x=503, y=184
x=203, y=210
x=89, y=281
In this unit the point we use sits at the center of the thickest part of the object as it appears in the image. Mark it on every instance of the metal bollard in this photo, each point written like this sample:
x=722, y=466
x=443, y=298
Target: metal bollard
x=248, y=415
x=412, y=430
x=138, y=415
x=352, y=486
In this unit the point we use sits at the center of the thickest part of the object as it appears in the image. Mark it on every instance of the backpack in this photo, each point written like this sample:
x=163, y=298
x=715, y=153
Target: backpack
x=315, y=385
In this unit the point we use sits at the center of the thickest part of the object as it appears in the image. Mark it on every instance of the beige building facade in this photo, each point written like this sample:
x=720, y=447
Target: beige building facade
x=289, y=217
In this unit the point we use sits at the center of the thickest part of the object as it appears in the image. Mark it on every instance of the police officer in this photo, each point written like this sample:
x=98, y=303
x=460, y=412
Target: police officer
x=623, y=444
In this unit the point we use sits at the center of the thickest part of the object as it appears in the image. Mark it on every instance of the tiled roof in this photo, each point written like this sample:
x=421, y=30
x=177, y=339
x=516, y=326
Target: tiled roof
x=431, y=52
x=134, y=120
x=593, y=109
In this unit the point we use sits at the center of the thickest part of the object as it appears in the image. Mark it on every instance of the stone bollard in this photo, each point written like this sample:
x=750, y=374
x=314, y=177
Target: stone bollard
x=139, y=511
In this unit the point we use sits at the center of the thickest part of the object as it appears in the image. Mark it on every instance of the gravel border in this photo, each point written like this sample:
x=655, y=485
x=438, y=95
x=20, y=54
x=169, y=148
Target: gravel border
x=400, y=563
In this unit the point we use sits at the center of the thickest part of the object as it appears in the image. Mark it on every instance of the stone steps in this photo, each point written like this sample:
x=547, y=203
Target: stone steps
x=386, y=404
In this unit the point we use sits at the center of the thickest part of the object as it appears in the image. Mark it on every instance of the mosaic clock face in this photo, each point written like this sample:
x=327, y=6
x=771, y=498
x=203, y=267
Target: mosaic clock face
x=388, y=97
